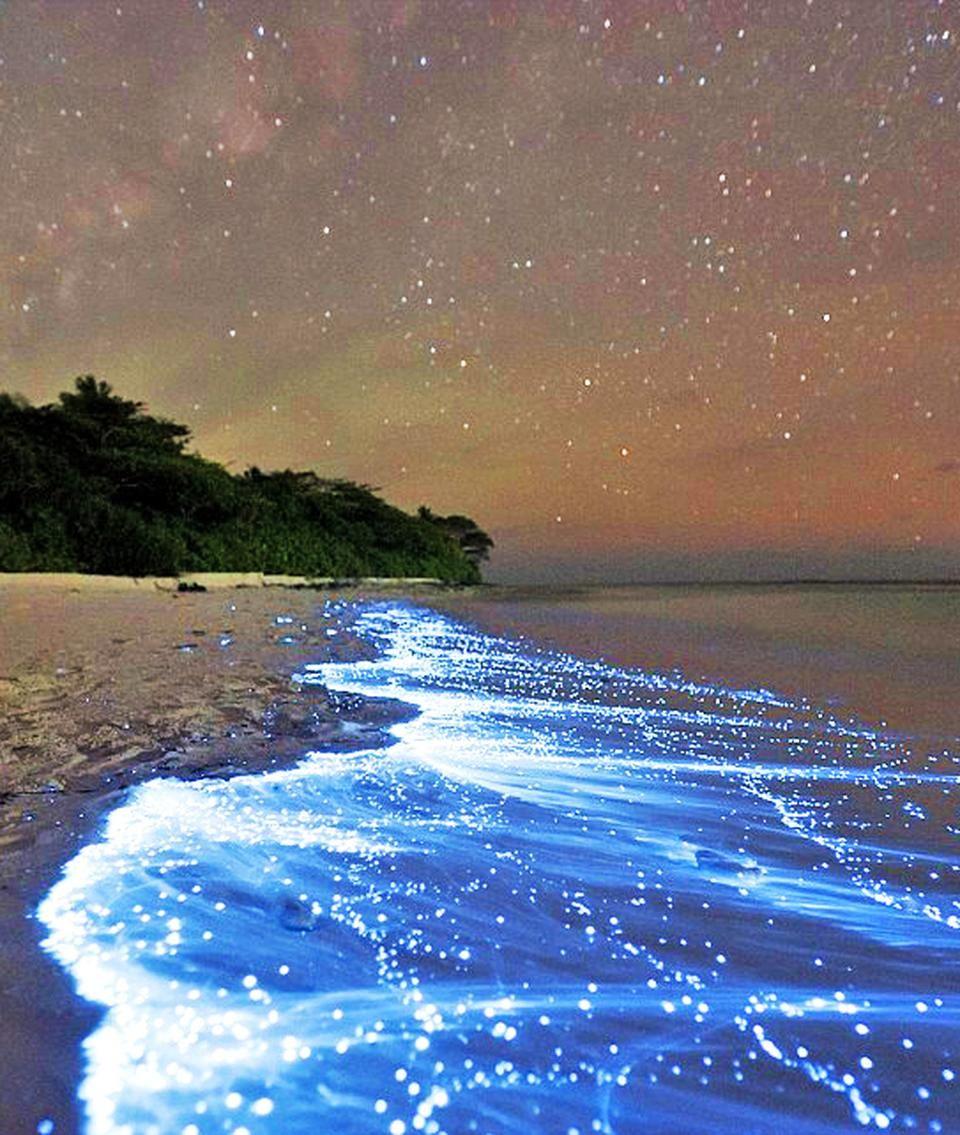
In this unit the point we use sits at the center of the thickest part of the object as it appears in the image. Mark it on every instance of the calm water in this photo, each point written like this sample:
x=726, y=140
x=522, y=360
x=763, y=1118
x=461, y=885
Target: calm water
x=572, y=897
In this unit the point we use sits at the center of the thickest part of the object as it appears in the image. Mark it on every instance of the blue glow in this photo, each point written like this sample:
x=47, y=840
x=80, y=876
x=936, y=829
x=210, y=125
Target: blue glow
x=570, y=898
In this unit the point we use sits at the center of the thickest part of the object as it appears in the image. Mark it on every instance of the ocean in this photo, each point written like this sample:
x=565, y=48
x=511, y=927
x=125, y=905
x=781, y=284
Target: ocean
x=578, y=893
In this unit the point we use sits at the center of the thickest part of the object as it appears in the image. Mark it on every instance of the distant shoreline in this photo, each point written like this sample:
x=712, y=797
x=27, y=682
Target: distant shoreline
x=802, y=582
x=562, y=588
x=217, y=581
x=212, y=581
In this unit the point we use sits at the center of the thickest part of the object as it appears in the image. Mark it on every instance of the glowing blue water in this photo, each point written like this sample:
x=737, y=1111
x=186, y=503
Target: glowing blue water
x=570, y=898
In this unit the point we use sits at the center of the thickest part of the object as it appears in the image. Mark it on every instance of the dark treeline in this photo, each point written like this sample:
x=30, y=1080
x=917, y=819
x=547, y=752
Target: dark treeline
x=92, y=483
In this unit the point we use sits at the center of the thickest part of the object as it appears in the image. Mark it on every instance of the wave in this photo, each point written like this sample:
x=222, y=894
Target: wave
x=568, y=898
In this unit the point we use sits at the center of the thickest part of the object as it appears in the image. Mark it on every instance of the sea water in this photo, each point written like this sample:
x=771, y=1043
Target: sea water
x=569, y=898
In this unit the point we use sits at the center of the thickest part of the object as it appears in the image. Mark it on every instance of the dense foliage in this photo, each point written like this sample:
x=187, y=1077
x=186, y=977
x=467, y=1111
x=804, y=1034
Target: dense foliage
x=92, y=483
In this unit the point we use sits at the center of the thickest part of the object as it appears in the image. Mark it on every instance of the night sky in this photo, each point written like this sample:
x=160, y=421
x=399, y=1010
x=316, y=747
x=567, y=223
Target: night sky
x=648, y=288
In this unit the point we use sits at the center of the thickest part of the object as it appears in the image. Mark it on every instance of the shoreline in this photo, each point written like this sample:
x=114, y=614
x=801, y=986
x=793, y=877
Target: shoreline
x=215, y=581
x=104, y=686
x=80, y=726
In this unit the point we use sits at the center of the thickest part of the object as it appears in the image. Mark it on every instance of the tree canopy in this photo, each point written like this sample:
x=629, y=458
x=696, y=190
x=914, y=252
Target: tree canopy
x=472, y=540
x=94, y=483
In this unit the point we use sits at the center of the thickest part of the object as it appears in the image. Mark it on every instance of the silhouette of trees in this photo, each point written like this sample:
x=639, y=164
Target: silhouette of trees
x=95, y=483
x=471, y=539
x=92, y=409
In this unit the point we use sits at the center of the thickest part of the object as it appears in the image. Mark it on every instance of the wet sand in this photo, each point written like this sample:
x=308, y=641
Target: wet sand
x=102, y=687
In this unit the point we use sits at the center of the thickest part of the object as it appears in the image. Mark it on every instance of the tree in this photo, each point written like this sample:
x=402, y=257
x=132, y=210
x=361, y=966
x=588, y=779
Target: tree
x=93, y=407
x=466, y=534
x=94, y=483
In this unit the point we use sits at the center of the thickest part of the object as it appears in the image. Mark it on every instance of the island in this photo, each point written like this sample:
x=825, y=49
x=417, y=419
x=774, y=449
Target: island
x=93, y=483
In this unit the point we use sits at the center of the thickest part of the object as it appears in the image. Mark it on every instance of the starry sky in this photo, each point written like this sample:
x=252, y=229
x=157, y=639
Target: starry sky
x=649, y=288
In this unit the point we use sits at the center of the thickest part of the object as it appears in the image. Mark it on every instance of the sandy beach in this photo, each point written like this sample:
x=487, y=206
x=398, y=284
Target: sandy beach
x=105, y=683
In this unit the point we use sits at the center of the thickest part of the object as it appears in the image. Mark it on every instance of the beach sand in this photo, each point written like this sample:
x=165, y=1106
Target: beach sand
x=104, y=684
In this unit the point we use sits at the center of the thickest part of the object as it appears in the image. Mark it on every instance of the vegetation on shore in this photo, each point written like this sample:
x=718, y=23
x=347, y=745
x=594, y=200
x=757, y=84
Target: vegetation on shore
x=93, y=483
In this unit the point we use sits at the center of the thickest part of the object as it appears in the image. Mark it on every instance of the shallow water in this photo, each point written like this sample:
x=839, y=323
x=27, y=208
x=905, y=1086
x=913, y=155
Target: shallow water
x=570, y=898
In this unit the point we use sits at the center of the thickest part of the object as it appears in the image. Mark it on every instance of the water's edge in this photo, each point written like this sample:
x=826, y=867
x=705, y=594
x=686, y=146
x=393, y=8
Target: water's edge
x=45, y=1022
x=514, y=759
